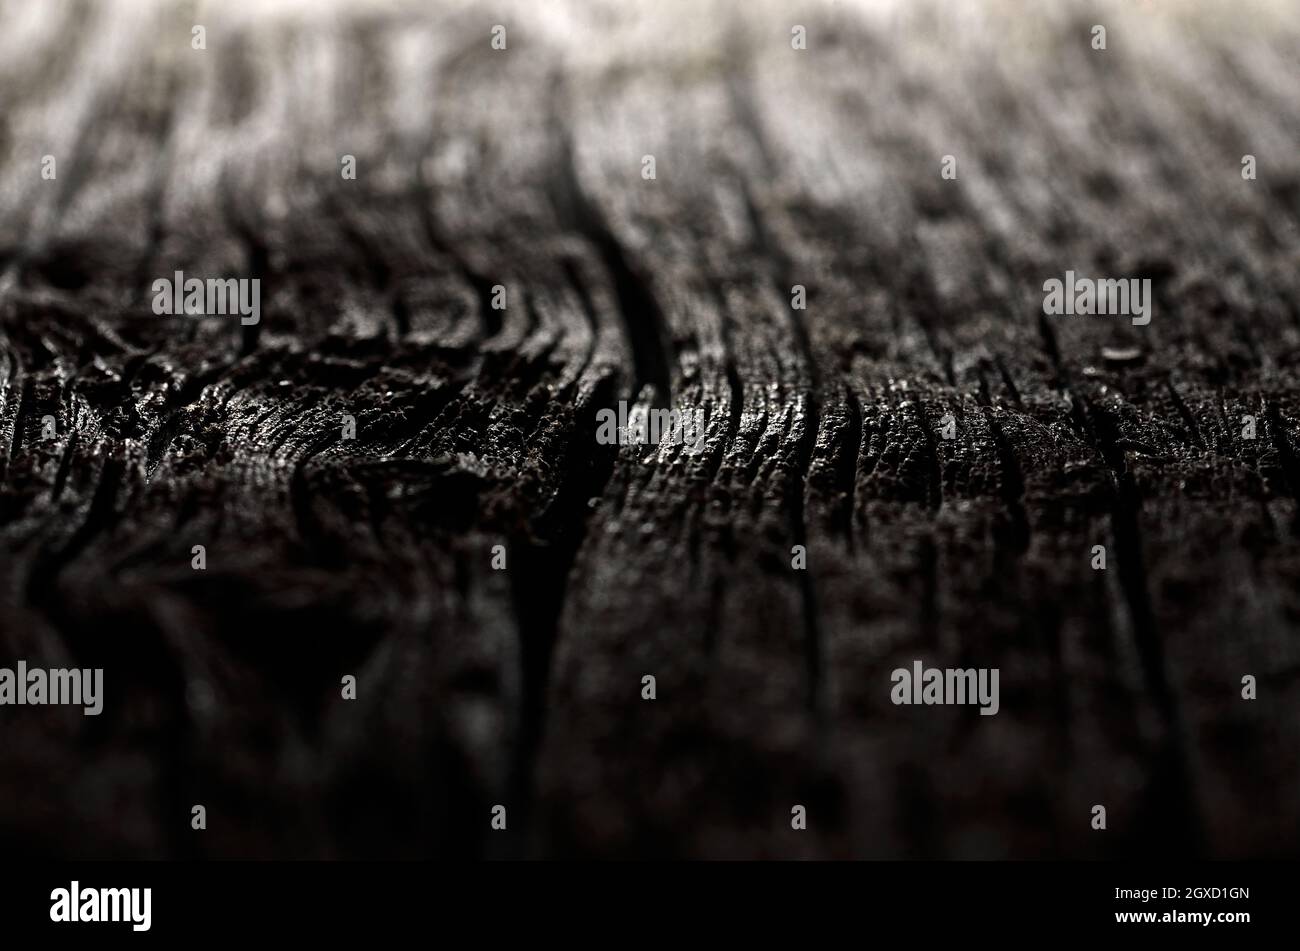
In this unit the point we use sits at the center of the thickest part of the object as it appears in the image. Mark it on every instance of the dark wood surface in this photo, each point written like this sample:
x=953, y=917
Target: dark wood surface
x=476, y=427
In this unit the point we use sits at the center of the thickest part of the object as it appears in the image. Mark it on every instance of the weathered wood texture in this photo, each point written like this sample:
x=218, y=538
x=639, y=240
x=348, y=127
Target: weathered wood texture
x=476, y=427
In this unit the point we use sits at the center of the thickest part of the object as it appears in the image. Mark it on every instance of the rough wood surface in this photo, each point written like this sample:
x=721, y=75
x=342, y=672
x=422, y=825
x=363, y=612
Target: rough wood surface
x=476, y=427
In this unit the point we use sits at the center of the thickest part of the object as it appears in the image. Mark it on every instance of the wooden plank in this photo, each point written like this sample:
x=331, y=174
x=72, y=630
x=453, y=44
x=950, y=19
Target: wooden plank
x=519, y=177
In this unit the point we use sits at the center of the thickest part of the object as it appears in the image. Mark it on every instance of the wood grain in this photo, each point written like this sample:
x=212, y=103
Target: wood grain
x=476, y=427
